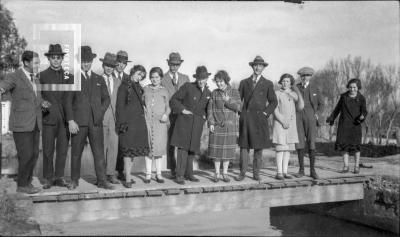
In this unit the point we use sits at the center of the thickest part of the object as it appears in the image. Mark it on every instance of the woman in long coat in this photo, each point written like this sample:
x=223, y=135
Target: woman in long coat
x=353, y=110
x=157, y=111
x=190, y=104
x=222, y=119
x=284, y=126
x=130, y=120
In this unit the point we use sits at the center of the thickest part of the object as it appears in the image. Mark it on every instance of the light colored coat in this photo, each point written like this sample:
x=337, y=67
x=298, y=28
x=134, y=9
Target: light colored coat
x=26, y=108
x=110, y=133
x=285, y=111
x=167, y=83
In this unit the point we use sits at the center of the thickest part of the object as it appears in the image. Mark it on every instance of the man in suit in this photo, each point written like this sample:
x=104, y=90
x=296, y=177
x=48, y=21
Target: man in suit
x=173, y=80
x=26, y=117
x=259, y=102
x=307, y=120
x=109, y=132
x=190, y=105
x=122, y=62
x=55, y=133
x=84, y=111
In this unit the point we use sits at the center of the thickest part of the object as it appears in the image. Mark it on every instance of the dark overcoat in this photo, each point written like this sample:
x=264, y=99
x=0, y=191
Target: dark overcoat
x=130, y=112
x=350, y=109
x=188, y=128
x=259, y=103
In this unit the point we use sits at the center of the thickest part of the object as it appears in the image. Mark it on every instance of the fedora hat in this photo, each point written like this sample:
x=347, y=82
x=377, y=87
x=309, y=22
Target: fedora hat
x=258, y=60
x=201, y=73
x=305, y=71
x=54, y=49
x=122, y=56
x=109, y=59
x=86, y=54
x=174, y=58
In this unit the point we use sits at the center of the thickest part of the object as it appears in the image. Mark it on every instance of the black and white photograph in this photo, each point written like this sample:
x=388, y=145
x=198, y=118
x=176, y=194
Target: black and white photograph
x=200, y=118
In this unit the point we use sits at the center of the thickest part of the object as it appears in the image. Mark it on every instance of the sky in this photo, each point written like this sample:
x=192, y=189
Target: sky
x=225, y=35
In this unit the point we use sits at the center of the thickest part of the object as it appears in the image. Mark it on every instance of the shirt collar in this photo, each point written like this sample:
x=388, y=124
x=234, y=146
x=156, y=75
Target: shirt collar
x=88, y=72
x=305, y=84
x=256, y=77
x=28, y=74
x=172, y=74
x=116, y=74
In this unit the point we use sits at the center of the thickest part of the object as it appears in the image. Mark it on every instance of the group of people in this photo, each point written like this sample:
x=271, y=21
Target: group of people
x=123, y=120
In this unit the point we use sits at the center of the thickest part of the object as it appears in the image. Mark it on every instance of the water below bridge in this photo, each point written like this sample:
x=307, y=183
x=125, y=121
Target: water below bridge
x=277, y=221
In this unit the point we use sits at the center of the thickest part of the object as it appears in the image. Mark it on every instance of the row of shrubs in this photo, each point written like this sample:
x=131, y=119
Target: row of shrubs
x=367, y=150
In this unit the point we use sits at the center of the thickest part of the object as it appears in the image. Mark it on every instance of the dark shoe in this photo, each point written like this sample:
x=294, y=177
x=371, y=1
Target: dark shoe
x=299, y=174
x=314, y=175
x=180, y=180
x=121, y=176
x=240, y=177
x=28, y=190
x=60, y=182
x=159, y=180
x=127, y=184
x=147, y=181
x=215, y=178
x=257, y=177
x=279, y=177
x=193, y=179
x=112, y=179
x=47, y=184
x=356, y=170
x=286, y=176
x=73, y=185
x=173, y=175
x=345, y=170
x=105, y=185
x=225, y=178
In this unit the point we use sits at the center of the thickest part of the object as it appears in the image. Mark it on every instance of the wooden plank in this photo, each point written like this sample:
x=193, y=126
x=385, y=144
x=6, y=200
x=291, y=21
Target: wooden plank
x=136, y=194
x=172, y=191
x=204, y=202
x=193, y=190
x=154, y=193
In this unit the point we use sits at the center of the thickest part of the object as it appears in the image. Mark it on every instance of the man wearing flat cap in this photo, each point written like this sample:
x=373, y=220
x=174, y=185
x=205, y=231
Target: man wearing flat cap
x=189, y=104
x=307, y=120
x=84, y=111
x=122, y=62
x=173, y=80
x=259, y=102
x=109, y=132
x=55, y=132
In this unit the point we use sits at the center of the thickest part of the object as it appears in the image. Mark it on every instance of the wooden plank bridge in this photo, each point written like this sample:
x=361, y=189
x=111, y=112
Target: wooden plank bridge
x=88, y=203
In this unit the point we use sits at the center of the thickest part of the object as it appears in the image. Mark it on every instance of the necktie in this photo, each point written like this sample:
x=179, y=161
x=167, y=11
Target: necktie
x=119, y=76
x=86, y=75
x=108, y=84
x=254, y=82
x=32, y=76
x=175, y=81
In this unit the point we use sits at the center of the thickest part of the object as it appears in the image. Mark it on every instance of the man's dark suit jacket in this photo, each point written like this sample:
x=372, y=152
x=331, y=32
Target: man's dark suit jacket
x=88, y=104
x=56, y=110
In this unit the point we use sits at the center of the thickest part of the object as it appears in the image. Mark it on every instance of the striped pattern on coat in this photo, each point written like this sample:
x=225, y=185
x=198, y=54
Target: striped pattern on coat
x=223, y=115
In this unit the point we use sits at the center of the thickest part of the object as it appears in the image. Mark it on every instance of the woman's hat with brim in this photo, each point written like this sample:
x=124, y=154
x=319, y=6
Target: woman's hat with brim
x=258, y=60
x=174, y=58
x=86, y=54
x=201, y=73
x=109, y=59
x=305, y=71
x=55, y=49
x=122, y=56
